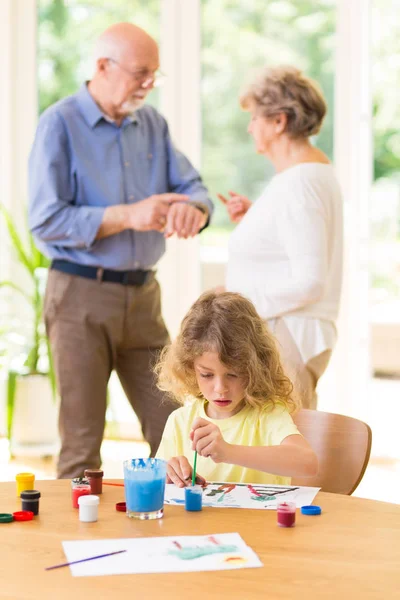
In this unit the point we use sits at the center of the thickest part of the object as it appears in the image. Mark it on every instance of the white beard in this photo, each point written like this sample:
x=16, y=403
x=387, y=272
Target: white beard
x=131, y=106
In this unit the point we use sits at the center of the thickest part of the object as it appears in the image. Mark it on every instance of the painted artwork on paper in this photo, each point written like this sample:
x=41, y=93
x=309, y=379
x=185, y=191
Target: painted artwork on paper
x=209, y=546
x=178, y=554
x=244, y=495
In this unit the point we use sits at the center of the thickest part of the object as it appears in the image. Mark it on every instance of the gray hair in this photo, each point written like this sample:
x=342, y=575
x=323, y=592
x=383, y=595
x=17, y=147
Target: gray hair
x=285, y=89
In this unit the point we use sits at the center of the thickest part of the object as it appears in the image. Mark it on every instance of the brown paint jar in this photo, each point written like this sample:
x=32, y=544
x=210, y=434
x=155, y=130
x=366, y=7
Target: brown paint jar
x=95, y=477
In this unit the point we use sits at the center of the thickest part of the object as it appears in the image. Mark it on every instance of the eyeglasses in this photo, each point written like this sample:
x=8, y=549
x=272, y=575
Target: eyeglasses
x=143, y=77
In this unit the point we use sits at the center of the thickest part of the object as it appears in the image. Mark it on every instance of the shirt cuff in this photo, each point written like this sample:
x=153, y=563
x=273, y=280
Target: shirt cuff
x=88, y=225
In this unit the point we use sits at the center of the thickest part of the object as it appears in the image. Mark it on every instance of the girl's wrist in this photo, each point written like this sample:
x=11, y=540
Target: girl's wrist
x=230, y=453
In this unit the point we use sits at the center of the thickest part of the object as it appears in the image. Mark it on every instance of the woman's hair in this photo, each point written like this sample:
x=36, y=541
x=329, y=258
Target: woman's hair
x=228, y=324
x=286, y=90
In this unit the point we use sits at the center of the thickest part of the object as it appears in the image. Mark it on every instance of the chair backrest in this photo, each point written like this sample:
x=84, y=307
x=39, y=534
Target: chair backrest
x=343, y=447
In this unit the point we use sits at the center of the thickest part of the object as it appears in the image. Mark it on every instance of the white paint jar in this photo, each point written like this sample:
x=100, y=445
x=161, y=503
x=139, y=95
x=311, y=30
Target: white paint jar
x=88, y=508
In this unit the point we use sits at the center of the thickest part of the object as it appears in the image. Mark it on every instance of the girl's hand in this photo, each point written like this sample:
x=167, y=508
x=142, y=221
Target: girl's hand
x=208, y=441
x=179, y=472
x=237, y=205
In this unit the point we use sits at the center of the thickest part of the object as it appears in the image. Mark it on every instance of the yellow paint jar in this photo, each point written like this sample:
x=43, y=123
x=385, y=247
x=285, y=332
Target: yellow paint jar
x=25, y=481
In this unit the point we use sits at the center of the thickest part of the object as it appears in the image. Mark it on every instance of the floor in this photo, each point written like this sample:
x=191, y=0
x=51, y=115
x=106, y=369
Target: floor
x=381, y=480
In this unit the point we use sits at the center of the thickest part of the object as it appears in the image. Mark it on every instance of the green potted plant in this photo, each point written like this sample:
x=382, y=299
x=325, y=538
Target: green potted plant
x=30, y=380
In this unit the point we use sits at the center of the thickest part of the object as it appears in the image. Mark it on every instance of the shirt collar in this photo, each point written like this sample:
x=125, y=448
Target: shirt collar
x=91, y=110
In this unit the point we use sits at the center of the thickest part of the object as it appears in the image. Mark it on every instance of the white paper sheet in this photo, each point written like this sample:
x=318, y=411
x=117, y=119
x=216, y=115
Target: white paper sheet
x=243, y=495
x=214, y=552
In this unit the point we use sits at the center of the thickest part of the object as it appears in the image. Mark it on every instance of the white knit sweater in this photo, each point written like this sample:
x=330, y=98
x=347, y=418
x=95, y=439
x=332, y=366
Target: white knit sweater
x=286, y=253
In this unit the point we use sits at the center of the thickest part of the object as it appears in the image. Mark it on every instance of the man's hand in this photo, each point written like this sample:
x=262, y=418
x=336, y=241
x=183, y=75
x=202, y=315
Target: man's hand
x=185, y=220
x=167, y=213
x=237, y=206
x=208, y=441
x=179, y=472
x=153, y=212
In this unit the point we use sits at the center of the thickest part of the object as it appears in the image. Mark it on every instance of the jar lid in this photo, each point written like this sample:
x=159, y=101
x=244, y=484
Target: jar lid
x=24, y=476
x=88, y=500
x=95, y=473
x=120, y=506
x=311, y=510
x=6, y=518
x=23, y=515
x=80, y=481
x=30, y=495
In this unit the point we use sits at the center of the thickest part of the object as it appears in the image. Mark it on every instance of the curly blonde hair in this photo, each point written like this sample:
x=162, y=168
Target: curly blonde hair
x=228, y=324
x=285, y=89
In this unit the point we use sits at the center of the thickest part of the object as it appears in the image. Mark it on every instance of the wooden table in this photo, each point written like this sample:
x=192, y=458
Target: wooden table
x=351, y=551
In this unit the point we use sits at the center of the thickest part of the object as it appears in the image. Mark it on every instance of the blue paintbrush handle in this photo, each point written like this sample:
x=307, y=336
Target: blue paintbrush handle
x=74, y=562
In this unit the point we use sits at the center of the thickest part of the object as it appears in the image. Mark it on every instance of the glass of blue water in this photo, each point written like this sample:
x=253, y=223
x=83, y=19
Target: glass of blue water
x=144, y=480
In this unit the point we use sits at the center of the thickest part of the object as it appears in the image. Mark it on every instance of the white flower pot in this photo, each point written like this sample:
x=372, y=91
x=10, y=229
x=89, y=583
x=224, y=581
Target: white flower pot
x=34, y=429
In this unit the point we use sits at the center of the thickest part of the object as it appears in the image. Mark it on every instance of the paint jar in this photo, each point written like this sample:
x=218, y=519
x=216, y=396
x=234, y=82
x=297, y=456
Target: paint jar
x=25, y=481
x=194, y=498
x=286, y=514
x=144, y=480
x=30, y=501
x=88, y=508
x=80, y=486
x=95, y=477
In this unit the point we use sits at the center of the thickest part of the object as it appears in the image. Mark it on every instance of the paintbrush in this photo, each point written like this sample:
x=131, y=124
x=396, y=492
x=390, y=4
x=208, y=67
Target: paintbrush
x=75, y=562
x=194, y=468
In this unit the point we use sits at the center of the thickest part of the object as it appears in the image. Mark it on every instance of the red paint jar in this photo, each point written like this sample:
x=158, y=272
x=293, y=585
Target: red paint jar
x=79, y=487
x=95, y=477
x=286, y=514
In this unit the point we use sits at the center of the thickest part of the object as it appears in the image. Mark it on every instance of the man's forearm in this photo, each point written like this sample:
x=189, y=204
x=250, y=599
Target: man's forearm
x=115, y=219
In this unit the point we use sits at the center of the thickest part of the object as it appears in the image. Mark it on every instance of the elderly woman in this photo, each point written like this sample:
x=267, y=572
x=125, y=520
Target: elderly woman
x=286, y=252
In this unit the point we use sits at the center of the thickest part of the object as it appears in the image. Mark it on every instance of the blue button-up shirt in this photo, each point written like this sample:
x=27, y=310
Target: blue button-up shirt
x=81, y=163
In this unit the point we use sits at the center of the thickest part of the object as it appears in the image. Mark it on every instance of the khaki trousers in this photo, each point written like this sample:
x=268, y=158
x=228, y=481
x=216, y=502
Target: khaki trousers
x=95, y=327
x=304, y=376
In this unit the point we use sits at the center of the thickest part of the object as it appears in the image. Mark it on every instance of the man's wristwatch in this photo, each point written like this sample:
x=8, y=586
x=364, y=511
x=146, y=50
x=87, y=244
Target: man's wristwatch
x=201, y=207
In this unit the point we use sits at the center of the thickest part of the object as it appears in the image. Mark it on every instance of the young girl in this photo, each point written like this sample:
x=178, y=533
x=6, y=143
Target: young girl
x=225, y=358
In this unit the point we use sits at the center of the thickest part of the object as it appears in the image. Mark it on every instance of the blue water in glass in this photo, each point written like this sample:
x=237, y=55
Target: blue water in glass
x=144, y=484
x=193, y=498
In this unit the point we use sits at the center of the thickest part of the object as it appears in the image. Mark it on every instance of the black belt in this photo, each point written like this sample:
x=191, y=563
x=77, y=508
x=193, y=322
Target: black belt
x=125, y=277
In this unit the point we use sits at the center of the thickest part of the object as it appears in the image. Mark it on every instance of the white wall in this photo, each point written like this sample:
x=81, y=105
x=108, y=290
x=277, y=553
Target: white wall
x=179, y=271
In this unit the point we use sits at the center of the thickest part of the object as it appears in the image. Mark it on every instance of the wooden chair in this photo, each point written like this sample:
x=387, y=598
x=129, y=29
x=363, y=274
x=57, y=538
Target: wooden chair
x=343, y=447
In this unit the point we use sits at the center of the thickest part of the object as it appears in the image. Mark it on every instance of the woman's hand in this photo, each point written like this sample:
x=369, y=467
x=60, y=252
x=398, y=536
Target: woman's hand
x=208, y=441
x=179, y=471
x=237, y=205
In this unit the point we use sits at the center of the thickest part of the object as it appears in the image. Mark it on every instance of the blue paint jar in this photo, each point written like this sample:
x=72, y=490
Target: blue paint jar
x=194, y=498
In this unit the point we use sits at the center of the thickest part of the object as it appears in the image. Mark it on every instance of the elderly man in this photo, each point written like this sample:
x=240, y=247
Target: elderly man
x=106, y=187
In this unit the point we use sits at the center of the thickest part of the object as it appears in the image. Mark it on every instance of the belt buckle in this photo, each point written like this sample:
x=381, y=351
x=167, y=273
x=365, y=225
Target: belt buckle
x=130, y=278
x=99, y=274
x=135, y=278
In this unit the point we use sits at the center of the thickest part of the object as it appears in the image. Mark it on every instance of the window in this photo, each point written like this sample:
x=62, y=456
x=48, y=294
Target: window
x=385, y=197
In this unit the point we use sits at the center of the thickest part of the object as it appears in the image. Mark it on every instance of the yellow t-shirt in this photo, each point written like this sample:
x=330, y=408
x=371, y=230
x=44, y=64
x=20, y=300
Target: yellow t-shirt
x=249, y=427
